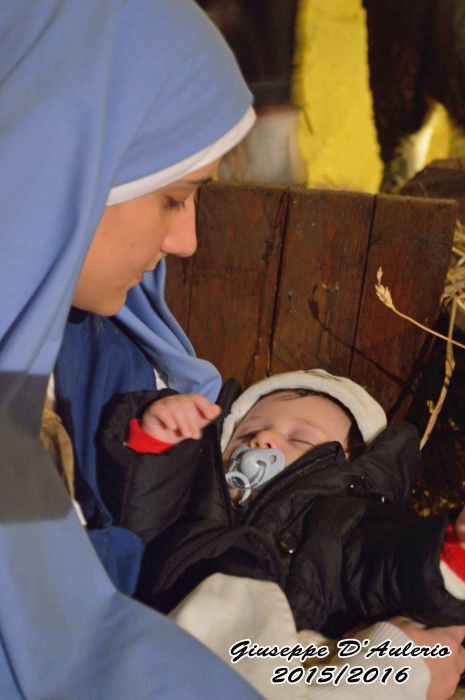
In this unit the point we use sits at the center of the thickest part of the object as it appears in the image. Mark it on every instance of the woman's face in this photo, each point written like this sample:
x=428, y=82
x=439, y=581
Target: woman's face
x=133, y=237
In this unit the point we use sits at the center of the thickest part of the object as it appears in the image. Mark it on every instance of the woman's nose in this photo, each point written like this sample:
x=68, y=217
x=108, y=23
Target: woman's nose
x=265, y=440
x=181, y=239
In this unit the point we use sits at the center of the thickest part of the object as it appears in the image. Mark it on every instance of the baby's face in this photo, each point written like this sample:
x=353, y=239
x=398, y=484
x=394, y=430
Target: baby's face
x=290, y=423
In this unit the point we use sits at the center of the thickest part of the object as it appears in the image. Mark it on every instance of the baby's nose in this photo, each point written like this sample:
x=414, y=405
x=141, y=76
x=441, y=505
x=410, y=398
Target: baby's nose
x=266, y=440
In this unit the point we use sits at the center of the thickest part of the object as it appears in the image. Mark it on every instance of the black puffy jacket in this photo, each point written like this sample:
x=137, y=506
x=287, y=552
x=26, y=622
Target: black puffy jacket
x=331, y=533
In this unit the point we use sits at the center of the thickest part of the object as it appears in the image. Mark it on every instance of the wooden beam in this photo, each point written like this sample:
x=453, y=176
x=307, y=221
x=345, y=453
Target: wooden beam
x=326, y=242
x=235, y=277
x=411, y=240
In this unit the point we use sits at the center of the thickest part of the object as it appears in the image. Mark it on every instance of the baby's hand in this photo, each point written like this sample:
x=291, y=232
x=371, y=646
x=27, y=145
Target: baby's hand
x=176, y=418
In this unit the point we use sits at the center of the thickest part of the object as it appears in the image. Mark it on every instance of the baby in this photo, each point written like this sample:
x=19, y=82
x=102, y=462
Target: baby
x=327, y=527
x=291, y=413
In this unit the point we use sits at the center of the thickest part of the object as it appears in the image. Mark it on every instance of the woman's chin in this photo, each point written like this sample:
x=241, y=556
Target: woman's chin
x=102, y=306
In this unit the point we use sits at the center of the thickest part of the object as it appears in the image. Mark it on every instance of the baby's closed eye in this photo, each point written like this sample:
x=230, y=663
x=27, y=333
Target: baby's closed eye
x=305, y=436
x=301, y=441
x=247, y=436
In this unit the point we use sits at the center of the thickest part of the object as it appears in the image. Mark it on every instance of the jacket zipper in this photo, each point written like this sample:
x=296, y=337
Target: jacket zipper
x=284, y=480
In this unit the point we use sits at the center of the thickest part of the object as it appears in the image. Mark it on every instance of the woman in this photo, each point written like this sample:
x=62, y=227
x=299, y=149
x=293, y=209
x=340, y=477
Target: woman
x=98, y=100
x=95, y=95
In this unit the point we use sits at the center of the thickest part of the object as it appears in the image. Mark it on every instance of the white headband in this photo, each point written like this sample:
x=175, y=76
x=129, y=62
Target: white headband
x=136, y=188
x=370, y=417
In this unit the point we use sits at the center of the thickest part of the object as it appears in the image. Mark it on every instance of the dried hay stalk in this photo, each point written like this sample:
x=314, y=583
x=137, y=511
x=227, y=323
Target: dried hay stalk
x=384, y=295
x=456, y=272
x=449, y=368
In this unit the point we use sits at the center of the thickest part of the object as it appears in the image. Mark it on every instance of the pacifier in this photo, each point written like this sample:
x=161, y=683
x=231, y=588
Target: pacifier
x=252, y=468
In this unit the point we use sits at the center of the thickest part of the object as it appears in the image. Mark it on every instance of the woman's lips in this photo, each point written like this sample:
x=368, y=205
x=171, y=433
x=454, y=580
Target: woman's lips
x=140, y=277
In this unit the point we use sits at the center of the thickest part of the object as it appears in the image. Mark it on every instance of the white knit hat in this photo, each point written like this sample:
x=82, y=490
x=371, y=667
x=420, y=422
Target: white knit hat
x=370, y=417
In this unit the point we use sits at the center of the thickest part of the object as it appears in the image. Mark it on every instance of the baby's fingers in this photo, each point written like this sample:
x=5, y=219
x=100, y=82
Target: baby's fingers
x=159, y=413
x=184, y=415
x=194, y=412
x=187, y=417
x=176, y=413
x=208, y=410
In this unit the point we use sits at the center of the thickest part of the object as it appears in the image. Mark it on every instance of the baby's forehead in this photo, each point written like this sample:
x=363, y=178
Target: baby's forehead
x=293, y=399
x=275, y=396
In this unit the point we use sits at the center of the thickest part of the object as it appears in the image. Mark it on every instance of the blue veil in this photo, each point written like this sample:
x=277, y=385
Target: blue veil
x=94, y=93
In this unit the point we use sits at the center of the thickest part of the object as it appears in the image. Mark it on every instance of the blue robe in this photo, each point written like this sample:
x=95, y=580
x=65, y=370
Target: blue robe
x=94, y=94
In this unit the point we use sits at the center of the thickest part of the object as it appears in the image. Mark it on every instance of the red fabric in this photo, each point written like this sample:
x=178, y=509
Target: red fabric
x=452, y=553
x=139, y=441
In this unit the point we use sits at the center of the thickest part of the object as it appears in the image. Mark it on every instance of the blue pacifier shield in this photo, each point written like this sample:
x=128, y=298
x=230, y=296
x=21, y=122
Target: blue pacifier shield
x=252, y=468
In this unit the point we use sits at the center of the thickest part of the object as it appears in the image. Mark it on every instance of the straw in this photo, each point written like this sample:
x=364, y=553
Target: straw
x=384, y=295
x=457, y=298
x=449, y=368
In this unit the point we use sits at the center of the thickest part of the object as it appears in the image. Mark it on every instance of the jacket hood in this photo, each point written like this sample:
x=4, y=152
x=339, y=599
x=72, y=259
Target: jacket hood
x=370, y=417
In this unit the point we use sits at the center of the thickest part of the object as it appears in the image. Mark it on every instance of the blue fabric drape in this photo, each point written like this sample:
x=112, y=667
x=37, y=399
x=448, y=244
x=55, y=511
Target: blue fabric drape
x=94, y=93
x=100, y=358
x=150, y=323
x=97, y=360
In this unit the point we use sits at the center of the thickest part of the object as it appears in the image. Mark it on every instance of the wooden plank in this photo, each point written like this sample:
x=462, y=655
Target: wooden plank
x=440, y=180
x=178, y=288
x=448, y=163
x=235, y=276
x=323, y=263
x=411, y=240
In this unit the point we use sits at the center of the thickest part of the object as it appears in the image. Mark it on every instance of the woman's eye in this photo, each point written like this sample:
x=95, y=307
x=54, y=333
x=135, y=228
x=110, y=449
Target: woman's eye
x=174, y=204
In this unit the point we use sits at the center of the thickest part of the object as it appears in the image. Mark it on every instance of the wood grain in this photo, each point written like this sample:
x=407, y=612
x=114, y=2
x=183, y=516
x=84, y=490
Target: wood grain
x=411, y=240
x=448, y=163
x=235, y=276
x=326, y=241
x=284, y=280
x=178, y=288
x=442, y=179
